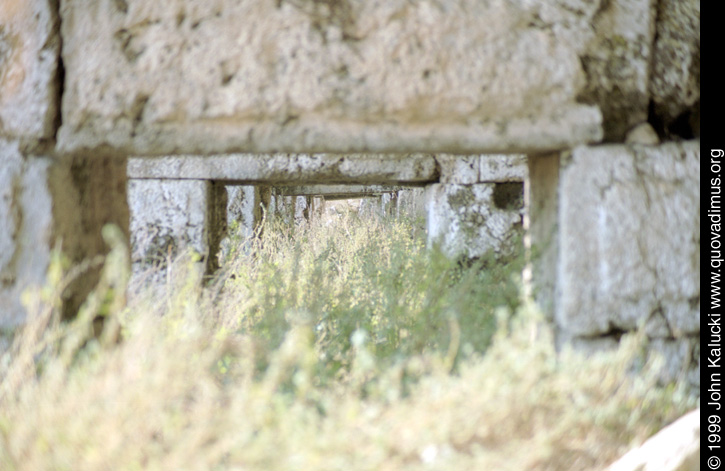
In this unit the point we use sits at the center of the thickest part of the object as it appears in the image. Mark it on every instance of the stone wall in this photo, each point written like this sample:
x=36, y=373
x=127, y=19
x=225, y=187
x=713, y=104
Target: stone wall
x=368, y=93
x=479, y=205
x=616, y=242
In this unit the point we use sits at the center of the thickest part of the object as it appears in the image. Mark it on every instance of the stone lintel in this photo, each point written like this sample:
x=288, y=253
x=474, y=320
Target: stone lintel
x=290, y=168
x=328, y=191
x=461, y=76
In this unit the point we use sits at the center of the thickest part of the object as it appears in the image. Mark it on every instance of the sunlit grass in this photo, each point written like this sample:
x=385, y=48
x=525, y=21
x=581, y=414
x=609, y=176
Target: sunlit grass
x=348, y=346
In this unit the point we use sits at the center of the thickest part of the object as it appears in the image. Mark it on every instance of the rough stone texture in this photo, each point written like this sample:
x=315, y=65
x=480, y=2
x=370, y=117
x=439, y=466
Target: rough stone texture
x=411, y=202
x=674, y=448
x=263, y=76
x=29, y=48
x=463, y=169
x=291, y=168
x=244, y=210
x=26, y=229
x=468, y=169
x=617, y=62
x=302, y=208
x=675, y=77
x=466, y=220
x=350, y=191
x=168, y=216
x=502, y=168
x=282, y=206
x=629, y=222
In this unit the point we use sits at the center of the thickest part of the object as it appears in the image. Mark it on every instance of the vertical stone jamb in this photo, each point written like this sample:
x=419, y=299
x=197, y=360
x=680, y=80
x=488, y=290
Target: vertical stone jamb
x=216, y=223
x=87, y=194
x=541, y=242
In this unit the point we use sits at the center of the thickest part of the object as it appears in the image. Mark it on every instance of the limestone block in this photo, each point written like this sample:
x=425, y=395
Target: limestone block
x=290, y=168
x=283, y=207
x=335, y=191
x=192, y=76
x=675, y=78
x=502, y=168
x=302, y=208
x=466, y=220
x=29, y=49
x=26, y=229
x=617, y=64
x=244, y=209
x=458, y=168
x=674, y=448
x=629, y=225
x=411, y=202
x=167, y=216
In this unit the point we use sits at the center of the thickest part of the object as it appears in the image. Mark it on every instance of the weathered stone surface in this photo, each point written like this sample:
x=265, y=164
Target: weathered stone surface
x=350, y=191
x=674, y=448
x=502, y=168
x=244, y=210
x=466, y=220
x=462, y=169
x=675, y=77
x=29, y=48
x=290, y=168
x=490, y=168
x=617, y=62
x=302, y=208
x=26, y=229
x=167, y=216
x=629, y=222
x=243, y=215
x=411, y=202
x=261, y=76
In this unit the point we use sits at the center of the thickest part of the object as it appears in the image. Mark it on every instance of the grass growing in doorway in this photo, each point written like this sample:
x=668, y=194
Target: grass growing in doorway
x=348, y=346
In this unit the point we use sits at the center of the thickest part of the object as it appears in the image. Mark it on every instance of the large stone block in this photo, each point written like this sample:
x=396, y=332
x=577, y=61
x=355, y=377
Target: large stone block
x=264, y=76
x=411, y=202
x=26, y=229
x=502, y=168
x=490, y=168
x=294, y=169
x=29, y=49
x=463, y=169
x=244, y=208
x=168, y=216
x=629, y=223
x=471, y=220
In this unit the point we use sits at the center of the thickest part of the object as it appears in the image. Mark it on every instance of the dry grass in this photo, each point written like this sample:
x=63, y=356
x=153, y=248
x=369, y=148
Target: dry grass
x=202, y=380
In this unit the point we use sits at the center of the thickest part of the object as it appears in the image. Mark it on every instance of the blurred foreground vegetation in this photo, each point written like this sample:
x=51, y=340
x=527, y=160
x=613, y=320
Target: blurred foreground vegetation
x=347, y=346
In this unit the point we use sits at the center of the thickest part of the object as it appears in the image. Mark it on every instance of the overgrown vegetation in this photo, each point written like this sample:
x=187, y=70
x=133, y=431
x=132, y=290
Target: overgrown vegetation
x=348, y=346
